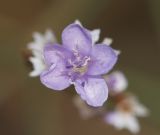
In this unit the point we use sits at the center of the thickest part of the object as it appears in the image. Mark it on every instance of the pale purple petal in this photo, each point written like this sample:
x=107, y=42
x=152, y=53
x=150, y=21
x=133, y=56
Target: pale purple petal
x=53, y=53
x=79, y=87
x=94, y=91
x=103, y=58
x=55, y=78
x=95, y=34
x=75, y=37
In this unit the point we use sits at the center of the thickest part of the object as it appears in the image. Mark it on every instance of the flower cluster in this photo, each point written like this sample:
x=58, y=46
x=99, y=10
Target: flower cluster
x=80, y=61
x=125, y=106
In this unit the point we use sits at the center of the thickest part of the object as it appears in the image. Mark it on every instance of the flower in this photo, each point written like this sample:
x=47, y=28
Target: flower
x=81, y=62
x=126, y=113
x=117, y=82
x=36, y=48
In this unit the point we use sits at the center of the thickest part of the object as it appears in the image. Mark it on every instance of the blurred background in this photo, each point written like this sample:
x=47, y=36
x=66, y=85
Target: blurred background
x=28, y=108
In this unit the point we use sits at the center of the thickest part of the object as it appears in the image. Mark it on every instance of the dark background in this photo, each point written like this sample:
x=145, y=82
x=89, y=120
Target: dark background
x=28, y=108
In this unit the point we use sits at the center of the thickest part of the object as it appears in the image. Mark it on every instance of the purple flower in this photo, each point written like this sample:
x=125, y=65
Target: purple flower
x=81, y=62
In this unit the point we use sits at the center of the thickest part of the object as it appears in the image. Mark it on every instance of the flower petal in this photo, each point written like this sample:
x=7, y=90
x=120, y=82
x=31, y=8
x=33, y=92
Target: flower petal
x=132, y=124
x=75, y=37
x=40, y=40
x=94, y=91
x=139, y=109
x=117, y=82
x=94, y=33
x=121, y=120
x=116, y=119
x=103, y=58
x=55, y=77
x=38, y=66
x=53, y=53
x=50, y=36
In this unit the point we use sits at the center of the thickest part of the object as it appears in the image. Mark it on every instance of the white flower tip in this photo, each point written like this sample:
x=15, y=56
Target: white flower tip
x=33, y=74
x=96, y=31
x=117, y=52
x=38, y=66
x=78, y=22
x=49, y=36
x=141, y=110
x=48, y=33
x=134, y=127
x=95, y=35
x=107, y=41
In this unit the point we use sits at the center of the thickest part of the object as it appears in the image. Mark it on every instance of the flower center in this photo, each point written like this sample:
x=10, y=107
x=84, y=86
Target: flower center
x=79, y=64
x=125, y=106
x=80, y=70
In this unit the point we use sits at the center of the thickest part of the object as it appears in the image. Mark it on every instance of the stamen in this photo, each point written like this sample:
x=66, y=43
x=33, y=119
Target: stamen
x=76, y=54
x=86, y=60
x=79, y=64
x=82, y=69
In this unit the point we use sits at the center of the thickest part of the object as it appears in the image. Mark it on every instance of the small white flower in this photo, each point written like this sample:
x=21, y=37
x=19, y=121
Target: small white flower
x=36, y=48
x=126, y=113
x=117, y=82
x=121, y=120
